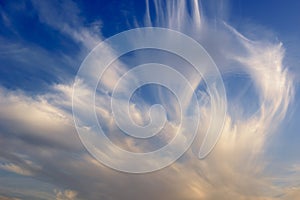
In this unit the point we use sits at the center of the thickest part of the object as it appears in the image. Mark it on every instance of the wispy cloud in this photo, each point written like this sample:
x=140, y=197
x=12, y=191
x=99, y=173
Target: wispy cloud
x=39, y=140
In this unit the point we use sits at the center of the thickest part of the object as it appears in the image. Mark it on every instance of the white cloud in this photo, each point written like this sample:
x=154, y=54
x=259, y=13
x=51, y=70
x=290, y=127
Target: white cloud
x=16, y=169
x=66, y=195
x=41, y=127
x=69, y=23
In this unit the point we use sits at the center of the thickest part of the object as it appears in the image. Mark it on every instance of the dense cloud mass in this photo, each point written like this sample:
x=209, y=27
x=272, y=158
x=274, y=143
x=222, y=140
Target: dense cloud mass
x=44, y=158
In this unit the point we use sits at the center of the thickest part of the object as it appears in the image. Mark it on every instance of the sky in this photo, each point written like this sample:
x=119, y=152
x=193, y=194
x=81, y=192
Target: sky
x=44, y=45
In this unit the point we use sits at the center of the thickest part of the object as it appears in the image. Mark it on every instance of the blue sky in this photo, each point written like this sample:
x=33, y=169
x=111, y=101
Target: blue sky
x=255, y=45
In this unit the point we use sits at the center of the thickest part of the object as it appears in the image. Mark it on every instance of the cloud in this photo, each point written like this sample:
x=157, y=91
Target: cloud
x=50, y=54
x=66, y=195
x=8, y=198
x=50, y=124
x=69, y=23
x=16, y=169
x=38, y=137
